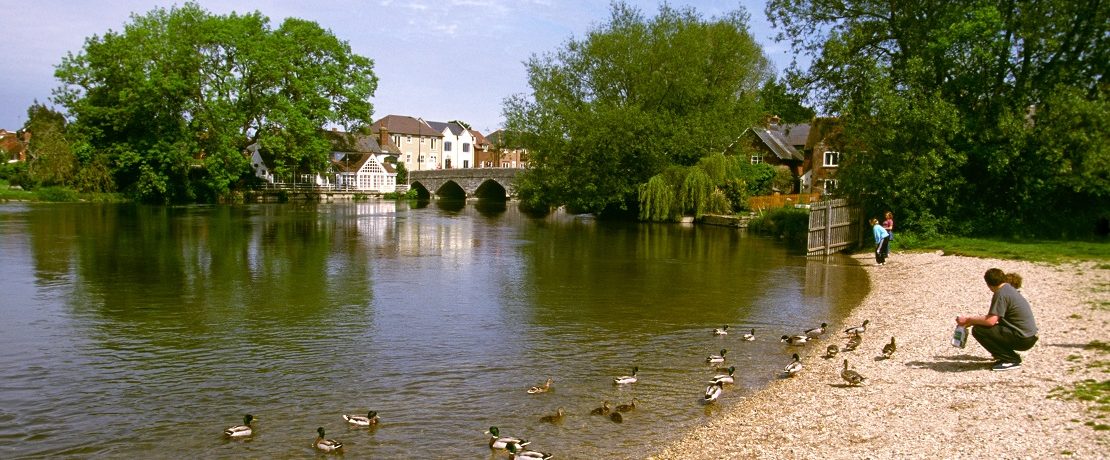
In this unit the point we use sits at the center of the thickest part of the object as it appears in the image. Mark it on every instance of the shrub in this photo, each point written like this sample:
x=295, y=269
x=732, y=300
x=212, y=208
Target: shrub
x=787, y=223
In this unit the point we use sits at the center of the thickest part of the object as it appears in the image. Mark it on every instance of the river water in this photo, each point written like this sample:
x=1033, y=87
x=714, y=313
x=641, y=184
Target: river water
x=136, y=331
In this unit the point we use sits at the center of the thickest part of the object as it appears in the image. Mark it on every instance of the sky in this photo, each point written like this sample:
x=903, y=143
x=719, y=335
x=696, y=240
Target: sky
x=438, y=60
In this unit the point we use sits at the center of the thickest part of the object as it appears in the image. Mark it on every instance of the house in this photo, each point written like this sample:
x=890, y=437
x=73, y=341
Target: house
x=506, y=152
x=264, y=166
x=483, y=149
x=822, y=155
x=419, y=146
x=458, y=145
x=769, y=144
x=12, y=147
x=361, y=163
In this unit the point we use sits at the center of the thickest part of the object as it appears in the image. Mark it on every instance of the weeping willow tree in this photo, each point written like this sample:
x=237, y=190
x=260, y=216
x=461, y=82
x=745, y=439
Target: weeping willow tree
x=717, y=184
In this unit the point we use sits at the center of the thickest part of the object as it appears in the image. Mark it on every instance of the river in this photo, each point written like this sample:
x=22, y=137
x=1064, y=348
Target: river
x=142, y=331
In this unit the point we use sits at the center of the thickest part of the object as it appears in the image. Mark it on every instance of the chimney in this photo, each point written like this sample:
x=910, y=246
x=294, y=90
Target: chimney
x=383, y=136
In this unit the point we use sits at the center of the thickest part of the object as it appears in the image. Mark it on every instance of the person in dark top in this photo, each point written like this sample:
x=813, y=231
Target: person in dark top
x=1008, y=326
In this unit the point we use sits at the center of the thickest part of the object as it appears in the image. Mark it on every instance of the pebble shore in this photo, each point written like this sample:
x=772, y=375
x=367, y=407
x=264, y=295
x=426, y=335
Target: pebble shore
x=930, y=399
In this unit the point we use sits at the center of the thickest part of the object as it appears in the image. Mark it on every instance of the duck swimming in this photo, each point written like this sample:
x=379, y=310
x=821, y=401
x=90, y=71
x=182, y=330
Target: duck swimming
x=323, y=444
x=627, y=379
x=721, y=330
x=715, y=359
x=797, y=340
x=817, y=331
x=241, y=431
x=520, y=453
x=496, y=441
x=627, y=407
x=362, y=421
x=749, y=336
x=712, y=392
x=554, y=418
x=541, y=388
x=603, y=410
x=724, y=378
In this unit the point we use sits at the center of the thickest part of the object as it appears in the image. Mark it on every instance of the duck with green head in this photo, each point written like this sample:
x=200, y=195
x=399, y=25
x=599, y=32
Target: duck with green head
x=323, y=444
x=725, y=378
x=371, y=418
x=241, y=431
x=496, y=441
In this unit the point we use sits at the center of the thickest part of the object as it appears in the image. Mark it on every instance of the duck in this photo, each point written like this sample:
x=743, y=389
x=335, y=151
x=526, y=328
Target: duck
x=724, y=378
x=616, y=417
x=627, y=379
x=853, y=343
x=851, y=376
x=797, y=340
x=794, y=367
x=554, y=418
x=241, y=431
x=749, y=336
x=541, y=388
x=715, y=359
x=627, y=407
x=817, y=331
x=371, y=418
x=712, y=392
x=857, y=330
x=325, y=445
x=496, y=441
x=888, y=349
x=721, y=330
x=603, y=410
x=831, y=351
x=520, y=453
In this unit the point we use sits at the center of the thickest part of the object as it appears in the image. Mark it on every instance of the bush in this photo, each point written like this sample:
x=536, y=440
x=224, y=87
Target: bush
x=409, y=195
x=788, y=223
x=58, y=194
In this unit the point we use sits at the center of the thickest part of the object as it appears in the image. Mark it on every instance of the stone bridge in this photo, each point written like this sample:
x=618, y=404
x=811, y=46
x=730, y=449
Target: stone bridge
x=490, y=183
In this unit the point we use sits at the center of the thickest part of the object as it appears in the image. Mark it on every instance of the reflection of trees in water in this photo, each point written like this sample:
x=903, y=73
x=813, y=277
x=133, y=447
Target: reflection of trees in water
x=201, y=269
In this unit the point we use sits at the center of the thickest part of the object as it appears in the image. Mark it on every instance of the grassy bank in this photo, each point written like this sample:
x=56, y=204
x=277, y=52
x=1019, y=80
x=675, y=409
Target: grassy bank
x=1051, y=251
x=56, y=195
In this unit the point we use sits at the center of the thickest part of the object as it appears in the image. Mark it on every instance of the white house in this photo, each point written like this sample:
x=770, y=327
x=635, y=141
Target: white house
x=458, y=145
x=360, y=163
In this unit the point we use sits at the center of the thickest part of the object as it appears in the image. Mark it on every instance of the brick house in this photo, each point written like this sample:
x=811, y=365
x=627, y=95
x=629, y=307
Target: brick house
x=419, y=146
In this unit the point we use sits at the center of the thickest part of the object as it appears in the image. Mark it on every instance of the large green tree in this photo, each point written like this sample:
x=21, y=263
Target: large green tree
x=170, y=103
x=632, y=98
x=987, y=116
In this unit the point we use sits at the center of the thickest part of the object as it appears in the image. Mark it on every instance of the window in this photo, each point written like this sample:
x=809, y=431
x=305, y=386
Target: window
x=433, y=144
x=466, y=147
x=446, y=146
x=420, y=158
x=757, y=158
x=830, y=185
x=408, y=139
x=408, y=158
x=832, y=159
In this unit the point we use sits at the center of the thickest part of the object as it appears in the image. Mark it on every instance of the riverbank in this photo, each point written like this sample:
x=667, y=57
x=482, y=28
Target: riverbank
x=932, y=400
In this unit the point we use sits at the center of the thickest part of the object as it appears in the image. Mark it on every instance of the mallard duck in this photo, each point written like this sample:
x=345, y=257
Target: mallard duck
x=857, y=330
x=603, y=410
x=831, y=351
x=712, y=392
x=716, y=359
x=627, y=407
x=323, y=444
x=626, y=379
x=817, y=331
x=541, y=388
x=888, y=349
x=239, y=431
x=554, y=418
x=721, y=330
x=797, y=340
x=723, y=378
x=749, y=336
x=853, y=343
x=496, y=441
x=794, y=367
x=371, y=418
x=850, y=376
x=523, y=454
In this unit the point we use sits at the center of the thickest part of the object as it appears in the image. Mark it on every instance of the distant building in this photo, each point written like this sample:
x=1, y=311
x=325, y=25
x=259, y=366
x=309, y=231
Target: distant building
x=458, y=145
x=419, y=146
x=505, y=152
x=12, y=147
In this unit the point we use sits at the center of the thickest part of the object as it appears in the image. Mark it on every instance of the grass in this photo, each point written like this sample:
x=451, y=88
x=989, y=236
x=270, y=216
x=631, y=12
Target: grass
x=1096, y=394
x=1051, y=251
x=56, y=195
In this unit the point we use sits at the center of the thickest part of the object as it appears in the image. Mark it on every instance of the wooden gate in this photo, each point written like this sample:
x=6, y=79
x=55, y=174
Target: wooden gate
x=833, y=226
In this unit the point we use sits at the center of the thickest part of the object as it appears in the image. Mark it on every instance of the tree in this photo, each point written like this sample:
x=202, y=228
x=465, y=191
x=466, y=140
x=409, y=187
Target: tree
x=633, y=98
x=50, y=160
x=986, y=116
x=777, y=100
x=172, y=101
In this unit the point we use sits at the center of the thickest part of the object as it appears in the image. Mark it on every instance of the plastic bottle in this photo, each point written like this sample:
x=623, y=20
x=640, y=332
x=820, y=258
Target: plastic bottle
x=959, y=337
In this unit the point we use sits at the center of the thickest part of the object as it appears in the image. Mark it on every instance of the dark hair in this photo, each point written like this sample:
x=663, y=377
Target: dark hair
x=994, y=277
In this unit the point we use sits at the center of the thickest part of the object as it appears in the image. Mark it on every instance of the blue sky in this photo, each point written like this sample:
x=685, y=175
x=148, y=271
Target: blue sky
x=440, y=60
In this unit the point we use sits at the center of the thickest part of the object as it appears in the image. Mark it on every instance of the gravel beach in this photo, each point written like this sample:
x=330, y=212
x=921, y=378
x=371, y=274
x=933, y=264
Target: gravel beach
x=931, y=400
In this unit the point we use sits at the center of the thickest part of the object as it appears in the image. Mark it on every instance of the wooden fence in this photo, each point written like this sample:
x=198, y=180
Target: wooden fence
x=757, y=203
x=833, y=226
